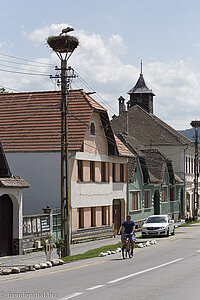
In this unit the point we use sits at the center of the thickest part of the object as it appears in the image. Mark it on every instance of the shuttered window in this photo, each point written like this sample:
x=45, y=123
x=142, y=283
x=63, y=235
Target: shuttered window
x=147, y=199
x=134, y=200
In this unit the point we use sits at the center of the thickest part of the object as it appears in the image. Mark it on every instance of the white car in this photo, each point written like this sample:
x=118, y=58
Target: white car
x=158, y=225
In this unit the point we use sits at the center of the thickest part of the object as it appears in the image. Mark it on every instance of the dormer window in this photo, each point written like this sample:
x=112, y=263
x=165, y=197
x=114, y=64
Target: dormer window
x=92, y=129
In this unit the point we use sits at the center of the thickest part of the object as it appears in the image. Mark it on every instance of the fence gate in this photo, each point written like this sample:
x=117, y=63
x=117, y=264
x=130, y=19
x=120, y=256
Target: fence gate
x=56, y=216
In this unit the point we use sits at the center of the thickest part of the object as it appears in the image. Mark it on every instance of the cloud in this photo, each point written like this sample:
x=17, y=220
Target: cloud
x=177, y=90
x=41, y=34
x=2, y=44
x=116, y=44
x=98, y=61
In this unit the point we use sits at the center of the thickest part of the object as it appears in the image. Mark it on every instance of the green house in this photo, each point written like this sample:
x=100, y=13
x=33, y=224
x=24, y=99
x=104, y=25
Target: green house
x=153, y=186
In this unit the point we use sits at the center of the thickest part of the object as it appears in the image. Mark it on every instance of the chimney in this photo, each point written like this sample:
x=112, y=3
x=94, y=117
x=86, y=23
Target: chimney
x=121, y=105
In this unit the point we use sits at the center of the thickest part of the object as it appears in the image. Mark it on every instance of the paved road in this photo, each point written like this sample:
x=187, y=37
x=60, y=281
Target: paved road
x=168, y=270
x=39, y=257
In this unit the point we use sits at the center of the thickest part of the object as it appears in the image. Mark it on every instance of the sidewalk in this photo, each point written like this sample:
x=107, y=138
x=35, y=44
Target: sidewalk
x=40, y=257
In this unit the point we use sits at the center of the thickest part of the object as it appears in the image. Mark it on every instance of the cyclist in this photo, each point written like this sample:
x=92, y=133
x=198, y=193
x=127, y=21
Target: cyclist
x=128, y=228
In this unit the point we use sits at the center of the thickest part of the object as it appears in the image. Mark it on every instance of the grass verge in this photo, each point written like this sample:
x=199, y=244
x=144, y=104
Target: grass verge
x=189, y=223
x=92, y=253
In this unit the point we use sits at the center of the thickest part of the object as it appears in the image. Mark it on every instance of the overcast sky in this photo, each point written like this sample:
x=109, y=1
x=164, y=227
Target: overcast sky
x=114, y=36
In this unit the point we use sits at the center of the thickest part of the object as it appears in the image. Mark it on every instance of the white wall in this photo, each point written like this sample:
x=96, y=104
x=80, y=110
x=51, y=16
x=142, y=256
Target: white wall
x=42, y=172
x=17, y=198
x=90, y=194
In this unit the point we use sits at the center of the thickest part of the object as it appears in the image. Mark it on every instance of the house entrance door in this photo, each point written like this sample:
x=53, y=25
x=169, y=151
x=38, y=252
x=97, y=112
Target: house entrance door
x=156, y=203
x=117, y=214
x=6, y=225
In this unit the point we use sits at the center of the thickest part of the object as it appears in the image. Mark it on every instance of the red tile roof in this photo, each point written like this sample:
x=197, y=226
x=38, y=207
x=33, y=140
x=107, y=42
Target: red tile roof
x=122, y=149
x=31, y=121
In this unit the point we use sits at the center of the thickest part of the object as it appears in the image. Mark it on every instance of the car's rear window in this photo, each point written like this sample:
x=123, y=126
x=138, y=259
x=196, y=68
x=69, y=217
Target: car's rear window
x=156, y=220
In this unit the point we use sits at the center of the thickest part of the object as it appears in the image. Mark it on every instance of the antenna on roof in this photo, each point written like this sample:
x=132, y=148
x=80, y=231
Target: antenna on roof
x=141, y=67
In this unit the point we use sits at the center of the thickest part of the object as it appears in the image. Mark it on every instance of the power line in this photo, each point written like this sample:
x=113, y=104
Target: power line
x=5, y=87
x=99, y=96
x=25, y=73
x=24, y=64
x=24, y=59
x=16, y=68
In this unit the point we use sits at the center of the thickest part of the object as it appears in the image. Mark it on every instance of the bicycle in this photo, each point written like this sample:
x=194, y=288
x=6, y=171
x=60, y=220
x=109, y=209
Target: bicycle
x=126, y=247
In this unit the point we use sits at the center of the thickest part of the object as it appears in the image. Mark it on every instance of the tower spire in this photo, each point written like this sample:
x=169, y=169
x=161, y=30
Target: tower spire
x=141, y=67
x=140, y=94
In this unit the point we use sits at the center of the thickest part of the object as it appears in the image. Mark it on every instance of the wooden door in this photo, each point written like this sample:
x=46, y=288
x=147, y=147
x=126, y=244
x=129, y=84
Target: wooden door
x=116, y=214
x=6, y=225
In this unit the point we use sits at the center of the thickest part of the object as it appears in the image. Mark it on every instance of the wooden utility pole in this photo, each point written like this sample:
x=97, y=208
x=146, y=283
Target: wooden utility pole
x=196, y=125
x=65, y=208
x=64, y=45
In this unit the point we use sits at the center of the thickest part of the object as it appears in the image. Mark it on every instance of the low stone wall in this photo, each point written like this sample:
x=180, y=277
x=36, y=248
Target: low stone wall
x=35, y=229
x=32, y=243
x=92, y=233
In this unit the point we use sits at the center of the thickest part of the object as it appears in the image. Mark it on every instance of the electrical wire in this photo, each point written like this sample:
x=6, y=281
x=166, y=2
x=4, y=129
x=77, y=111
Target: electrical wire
x=24, y=73
x=7, y=88
x=90, y=88
x=24, y=64
x=24, y=59
x=16, y=68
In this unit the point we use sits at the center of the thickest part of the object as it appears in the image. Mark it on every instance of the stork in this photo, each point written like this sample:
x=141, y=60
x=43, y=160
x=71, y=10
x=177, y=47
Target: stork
x=66, y=30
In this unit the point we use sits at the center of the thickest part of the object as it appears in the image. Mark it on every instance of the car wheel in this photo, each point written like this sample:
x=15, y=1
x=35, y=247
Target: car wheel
x=173, y=232
x=167, y=232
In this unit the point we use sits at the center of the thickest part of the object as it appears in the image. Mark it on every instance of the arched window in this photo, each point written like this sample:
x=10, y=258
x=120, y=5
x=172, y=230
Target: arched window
x=92, y=128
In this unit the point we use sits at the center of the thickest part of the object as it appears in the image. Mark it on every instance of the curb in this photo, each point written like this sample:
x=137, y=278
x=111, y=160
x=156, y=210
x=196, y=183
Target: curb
x=34, y=267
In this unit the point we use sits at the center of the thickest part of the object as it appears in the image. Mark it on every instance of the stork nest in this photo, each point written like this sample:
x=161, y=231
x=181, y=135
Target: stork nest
x=63, y=43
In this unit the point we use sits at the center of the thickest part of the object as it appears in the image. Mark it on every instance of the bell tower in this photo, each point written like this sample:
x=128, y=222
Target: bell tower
x=141, y=95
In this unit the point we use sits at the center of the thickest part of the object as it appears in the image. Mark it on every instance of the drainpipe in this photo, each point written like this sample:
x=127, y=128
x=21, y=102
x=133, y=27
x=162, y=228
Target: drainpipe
x=127, y=187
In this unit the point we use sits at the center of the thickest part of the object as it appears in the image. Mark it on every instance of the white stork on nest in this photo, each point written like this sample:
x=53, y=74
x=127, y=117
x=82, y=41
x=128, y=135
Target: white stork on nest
x=66, y=30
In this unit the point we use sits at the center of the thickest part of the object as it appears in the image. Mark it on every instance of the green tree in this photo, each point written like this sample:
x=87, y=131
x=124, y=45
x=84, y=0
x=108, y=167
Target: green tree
x=3, y=90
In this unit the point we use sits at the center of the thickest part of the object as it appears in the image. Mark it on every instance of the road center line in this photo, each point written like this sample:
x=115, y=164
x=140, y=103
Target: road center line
x=95, y=287
x=145, y=271
x=71, y=296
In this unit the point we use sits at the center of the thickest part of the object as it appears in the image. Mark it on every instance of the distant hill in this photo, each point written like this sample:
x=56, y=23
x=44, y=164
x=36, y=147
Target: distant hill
x=189, y=133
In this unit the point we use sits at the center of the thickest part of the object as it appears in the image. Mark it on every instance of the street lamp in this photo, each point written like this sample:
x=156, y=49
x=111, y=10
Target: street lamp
x=196, y=124
x=64, y=45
